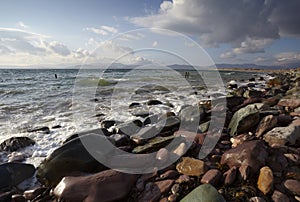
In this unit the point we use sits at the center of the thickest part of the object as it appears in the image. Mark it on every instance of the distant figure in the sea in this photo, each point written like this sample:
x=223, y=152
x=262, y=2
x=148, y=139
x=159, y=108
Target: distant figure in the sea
x=187, y=75
x=55, y=76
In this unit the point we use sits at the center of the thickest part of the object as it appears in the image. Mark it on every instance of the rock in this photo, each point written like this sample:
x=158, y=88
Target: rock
x=240, y=139
x=292, y=186
x=211, y=177
x=244, y=119
x=134, y=105
x=256, y=199
x=153, y=144
x=13, y=174
x=252, y=153
x=291, y=103
x=16, y=143
x=265, y=180
x=204, y=193
x=169, y=124
x=69, y=158
x=44, y=129
x=152, y=119
x=191, y=116
x=150, y=194
x=109, y=185
x=204, y=127
x=284, y=120
x=230, y=175
x=276, y=161
x=154, y=102
x=140, y=113
x=16, y=157
x=33, y=193
x=293, y=159
x=253, y=94
x=275, y=82
x=164, y=186
x=6, y=196
x=245, y=172
x=18, y=198
x=120, y=139
x=129, y=128
x=97, y=131
x=266, y=124
x=283, y=135
x=176, y=188
x=107, y=123
x=170, y=174
x=181, y=149
x=191, y=166
x=162, y=155
x=144, y=134
x=279, y=197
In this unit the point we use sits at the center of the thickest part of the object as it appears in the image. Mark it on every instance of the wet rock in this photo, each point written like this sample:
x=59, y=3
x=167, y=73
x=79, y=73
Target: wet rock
x=134, y=104
x=175, y=189
x=282, y=135
x=120, y=139
x=253, y=94
x=181, y=149
x=151, y=193
x=154, y=102
x=202, y=193
x=293, y=186
x=13, y=174
x=230, y=176
x=233, y=101
x=265, y=180
x=212, y=177
x=240, y=139
x=16, y=157
x=97, y=131
x=18, y=198
x=44, y=129
x=244, y=119
x=144, y=134
x=191, y=166
x=107, y=123
x=33, y=193
x=256, y=199
x=191, y=116
x=183, y=179
x=293, y=159
x=164, y=186
x=277, y=161
x=101, y=186
x=71, y=157
x=153, y=144
x=284, y=120
x=172, y=198
x=152, y=119
x=168, y=125
x=291, y=103
x=16, y=143
x=129, y=128
x=162, y=155
x=170, y=174
x=204, y=127
x=140, y=113
x=266, y=124
x=252, y=153
x=279, y=197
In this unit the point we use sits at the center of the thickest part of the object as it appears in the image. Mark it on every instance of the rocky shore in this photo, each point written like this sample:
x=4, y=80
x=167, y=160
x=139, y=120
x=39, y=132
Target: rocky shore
x=256, y=158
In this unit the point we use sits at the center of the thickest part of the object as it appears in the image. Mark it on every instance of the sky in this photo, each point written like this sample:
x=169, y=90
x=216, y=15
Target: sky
x=61, y=33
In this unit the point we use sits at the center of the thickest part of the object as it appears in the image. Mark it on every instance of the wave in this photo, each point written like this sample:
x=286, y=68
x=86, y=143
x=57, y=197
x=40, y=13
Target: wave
x=98, y=82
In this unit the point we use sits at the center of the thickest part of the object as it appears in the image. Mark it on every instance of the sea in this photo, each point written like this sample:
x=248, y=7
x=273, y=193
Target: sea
x=73, y=100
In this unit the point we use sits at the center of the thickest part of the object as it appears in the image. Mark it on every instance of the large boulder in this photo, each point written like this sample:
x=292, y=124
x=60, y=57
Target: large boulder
x=13, y=174
x=283, y=135
x=252, y=154
x=204, y=193
x=105, y=186
x=245, y=118
x=16, y=143
x=70, y=158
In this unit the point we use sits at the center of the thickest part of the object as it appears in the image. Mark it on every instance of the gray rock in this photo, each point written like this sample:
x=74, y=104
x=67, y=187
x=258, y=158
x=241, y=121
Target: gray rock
x=13, y=174
x=283, y=135
x=69, y=158
x=153, y=144
x=245, y=118
x=266, y=124
x=129, y=128
x=16, y=143
x=204, y=193
x=293, y=186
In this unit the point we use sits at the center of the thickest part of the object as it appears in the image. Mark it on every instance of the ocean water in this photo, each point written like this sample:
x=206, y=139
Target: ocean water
x=78, y=100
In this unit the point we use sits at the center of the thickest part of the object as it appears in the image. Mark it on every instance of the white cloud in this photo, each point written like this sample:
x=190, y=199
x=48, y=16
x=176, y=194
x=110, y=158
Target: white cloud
x=59, y=48
x=129, y=37
x=288, y=57
x=248, y=25
x=103, y=30
x=227, y=55
x=21, y=25
x=154, y=44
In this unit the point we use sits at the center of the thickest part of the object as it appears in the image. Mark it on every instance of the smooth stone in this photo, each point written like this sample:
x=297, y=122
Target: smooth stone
x=291, y=103
x=292, y=186
x=69, y=158
x=170, y=174
x=279, y=197
x=230, y=175
x=265, y=180
x=284, y=120
x=150, y=194
x=134, y=104
x=33, y=193
x=183, y=179
x=172, y=198
x=204, y=193
x=265, y=125
x=277, y=161
x=13, y=174
x=120, y=139
x=252, y=153
x=181, y=149
x=162, y=155
x=97, y=131
x=212, y=177
x=101, y=186
x=293, y=159
x=129, y=128
x=191, y=116
x=175, y=189
x=108, y=123
x=16, y=157
x=18, y=198
x=245, y=118
x=154, y=102
x=16, y=143
x=204, y=127
x=191, y=166
x=169, y=124
x=283, y=135
x=44, y=129
x=145, y=133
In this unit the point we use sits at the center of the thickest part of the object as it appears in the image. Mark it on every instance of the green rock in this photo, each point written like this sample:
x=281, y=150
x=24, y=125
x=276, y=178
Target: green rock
x=153, y=144
x=245, y=118
x=204, y=126
x=204, y=193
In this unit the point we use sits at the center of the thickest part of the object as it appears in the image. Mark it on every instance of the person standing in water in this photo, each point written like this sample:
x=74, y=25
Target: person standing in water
x=55, y=76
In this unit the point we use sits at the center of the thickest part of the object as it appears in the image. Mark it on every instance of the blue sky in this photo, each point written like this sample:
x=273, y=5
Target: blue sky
x=61, y=33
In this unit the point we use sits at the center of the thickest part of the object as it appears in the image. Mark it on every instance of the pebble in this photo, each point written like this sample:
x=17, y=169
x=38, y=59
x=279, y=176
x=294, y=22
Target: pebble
x=211, y=177
x=191, y=166
x=265, y=180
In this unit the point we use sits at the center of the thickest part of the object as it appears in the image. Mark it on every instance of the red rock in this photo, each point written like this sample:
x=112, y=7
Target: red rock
x=252, y=153
x=230, y=175
x=292, y=186
x=101, y=186
x=164, y=186
x=170, y=174
x=279, y=197
x=151, y=193
x=291, y=103
x=211, y=177
x=293, y=159
x=245, y=172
